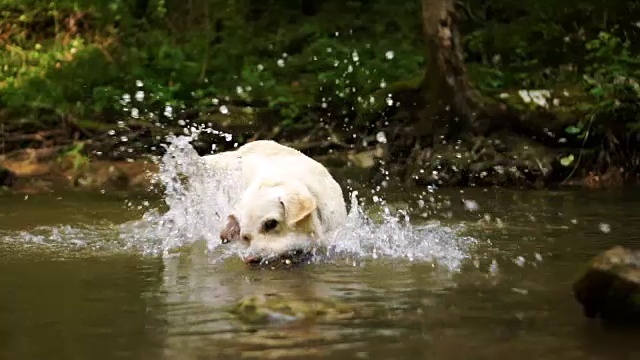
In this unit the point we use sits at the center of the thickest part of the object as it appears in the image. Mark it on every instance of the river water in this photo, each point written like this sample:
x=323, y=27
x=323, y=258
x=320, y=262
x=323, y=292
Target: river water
x=476, y=274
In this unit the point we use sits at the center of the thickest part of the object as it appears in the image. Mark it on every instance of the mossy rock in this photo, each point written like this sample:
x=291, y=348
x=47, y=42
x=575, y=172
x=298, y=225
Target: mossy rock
x=115, y=175
x=610, y=287
x=274, y=308
x=502, y=159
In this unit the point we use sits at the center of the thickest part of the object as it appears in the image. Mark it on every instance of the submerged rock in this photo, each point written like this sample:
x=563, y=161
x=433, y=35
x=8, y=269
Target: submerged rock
x=610, y=288
x=7, y=177
x=274, y=308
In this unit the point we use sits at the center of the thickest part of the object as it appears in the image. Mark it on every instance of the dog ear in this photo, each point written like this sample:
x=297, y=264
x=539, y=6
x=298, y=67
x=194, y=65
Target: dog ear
x=231, y=231
x=297, y=204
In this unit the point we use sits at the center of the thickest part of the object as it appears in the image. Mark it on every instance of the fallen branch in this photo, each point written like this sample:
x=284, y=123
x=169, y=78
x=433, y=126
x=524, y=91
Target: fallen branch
x=34, y=155
x=39, y=136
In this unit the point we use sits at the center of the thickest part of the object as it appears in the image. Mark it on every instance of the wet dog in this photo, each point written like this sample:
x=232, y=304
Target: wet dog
x=287, y=205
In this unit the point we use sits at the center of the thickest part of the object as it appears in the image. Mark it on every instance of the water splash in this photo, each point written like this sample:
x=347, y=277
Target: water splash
x=396, y=237
x=61, y=242
x=196, y=197
x=197, y=200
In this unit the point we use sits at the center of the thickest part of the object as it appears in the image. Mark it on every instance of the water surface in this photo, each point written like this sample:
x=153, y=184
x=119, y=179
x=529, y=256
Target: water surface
x=70, y=288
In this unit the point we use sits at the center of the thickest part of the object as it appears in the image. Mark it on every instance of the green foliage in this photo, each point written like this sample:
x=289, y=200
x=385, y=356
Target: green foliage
x=76, y=156
x=102, y=59
x=590, y=47
x=567, y=160
x=536, y=44
x=612, y=79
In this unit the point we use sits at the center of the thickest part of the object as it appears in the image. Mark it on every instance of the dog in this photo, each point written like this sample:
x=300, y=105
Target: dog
x=287, y=204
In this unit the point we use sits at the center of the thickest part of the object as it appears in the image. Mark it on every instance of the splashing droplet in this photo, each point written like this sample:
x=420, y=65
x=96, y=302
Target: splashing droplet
x=126, y=98
x=470, y=205
x=355, y=57
x=493, y=268
x=168, y=111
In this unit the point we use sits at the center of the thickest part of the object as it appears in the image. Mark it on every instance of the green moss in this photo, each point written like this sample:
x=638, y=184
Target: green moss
x=275, y=308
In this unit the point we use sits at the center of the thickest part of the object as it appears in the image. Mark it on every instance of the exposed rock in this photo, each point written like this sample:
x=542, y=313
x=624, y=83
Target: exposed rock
x=367, y=159
x=42, y=170
x=30, y=162
x=502, y=160
x=120, y=175
x=363, y=159
x=610, y=288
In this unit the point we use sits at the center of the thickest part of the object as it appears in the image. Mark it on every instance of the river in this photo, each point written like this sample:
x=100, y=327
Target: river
x=72, y=288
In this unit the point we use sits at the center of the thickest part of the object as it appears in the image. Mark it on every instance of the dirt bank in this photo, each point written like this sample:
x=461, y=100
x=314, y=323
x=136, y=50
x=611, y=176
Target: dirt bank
x=521, y=145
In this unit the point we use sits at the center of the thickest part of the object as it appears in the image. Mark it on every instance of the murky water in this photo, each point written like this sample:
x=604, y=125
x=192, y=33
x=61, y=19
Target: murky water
x=477, y=274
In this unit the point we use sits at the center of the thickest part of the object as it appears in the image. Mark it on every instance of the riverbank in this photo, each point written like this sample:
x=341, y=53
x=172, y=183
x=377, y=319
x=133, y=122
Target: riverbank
x=102, y=85
x=519, y=147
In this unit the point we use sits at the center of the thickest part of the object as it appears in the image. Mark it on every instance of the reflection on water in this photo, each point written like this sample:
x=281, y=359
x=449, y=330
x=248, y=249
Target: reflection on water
x=68, y=290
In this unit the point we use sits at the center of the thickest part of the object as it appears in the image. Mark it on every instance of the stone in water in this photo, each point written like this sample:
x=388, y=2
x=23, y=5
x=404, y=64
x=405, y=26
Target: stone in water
x=610, y=288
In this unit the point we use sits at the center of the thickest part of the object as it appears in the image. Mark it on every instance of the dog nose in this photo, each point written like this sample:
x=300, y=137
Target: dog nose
x=246, y=237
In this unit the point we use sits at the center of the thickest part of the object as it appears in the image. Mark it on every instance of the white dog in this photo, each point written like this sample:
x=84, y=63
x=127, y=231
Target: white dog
x=289, y=203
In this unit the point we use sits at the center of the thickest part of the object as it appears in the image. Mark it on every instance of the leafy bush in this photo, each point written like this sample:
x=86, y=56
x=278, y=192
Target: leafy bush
x=94, y=60
x=101, y=60
x=612, y=79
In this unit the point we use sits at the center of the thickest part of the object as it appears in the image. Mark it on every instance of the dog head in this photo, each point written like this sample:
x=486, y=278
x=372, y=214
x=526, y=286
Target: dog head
x=274, y=221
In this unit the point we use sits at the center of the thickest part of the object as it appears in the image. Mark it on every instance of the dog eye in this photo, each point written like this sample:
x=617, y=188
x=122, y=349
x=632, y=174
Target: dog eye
x=269, y=225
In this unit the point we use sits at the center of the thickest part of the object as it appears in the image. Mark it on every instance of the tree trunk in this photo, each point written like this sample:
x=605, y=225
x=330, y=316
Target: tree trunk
x=451, y=99
x=140, y=8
